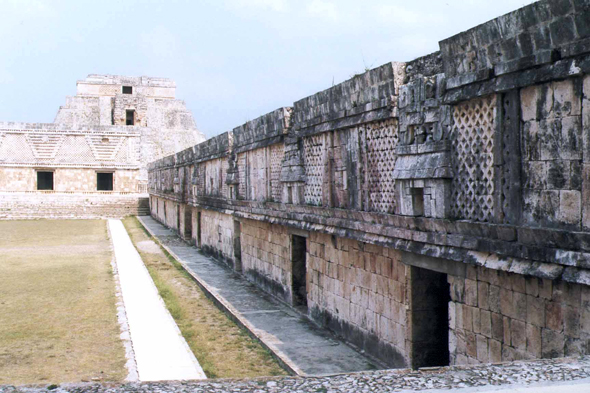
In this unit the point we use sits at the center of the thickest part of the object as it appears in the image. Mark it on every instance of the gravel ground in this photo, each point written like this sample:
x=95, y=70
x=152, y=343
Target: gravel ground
x=554, y=370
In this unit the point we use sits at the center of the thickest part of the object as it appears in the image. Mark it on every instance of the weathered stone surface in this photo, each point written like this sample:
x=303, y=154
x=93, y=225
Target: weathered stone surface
x=469, y=162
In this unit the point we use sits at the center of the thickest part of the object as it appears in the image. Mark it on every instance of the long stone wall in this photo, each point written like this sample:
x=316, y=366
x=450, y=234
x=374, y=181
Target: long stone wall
x=73, y=205
x=430, y=212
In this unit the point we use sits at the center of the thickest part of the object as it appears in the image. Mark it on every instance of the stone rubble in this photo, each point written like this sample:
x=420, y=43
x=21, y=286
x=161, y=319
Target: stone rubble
x=454, y=377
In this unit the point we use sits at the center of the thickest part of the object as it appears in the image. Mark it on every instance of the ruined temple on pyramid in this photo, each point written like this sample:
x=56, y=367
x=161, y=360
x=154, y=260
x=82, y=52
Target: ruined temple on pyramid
x=465, y=171
x=92, y=160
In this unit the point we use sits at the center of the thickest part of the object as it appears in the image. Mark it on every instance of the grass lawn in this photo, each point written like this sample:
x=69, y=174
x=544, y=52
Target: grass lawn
x=58, y=320
x=221, y=347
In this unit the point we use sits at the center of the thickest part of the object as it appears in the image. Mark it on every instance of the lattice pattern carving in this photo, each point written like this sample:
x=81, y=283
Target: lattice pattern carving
x=242, y=161
x=68, y=149
x=473, y=161
x=44, y=146
x=313, y=158
x=277, y=152
x=380, y=139
x=109, y=90
x=104, y=148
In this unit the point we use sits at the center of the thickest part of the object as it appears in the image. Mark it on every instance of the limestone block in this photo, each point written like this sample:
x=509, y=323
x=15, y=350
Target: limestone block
x=483, y=295
x=545, y=288
x=533, y=341
x=518, y=334
x=471, y=344
x=531, y=140
x=494, y=299
x=461, y=342
x=532, y=286
x=566, y=100
x=471, y=292
x=452, y=316
x=457, y=289
x=485, y=323
x=535, y=313
x=459, y=315
x=452, y=343
x=497, y=326
x=518, y=283
x=536, y=102
x=476, y=319
x=467, y=318
x=495, y=351
x=553, y=344
x=571, y=321
x=554, y=316
x=507, y=330
x=482, y=349
x=506, y=302
x=520, y=305
x=574, y=347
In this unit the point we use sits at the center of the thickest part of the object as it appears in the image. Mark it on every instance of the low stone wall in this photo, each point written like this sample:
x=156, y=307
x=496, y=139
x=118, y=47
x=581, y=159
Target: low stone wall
x=56, y=205
x=358, y=290
x=497, y=316
x=217, y=236
x=266, y=259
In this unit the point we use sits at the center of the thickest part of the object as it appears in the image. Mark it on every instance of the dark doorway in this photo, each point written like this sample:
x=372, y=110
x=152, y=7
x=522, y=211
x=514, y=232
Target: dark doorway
x=430, y=318
x=237, y=246
x=130, y=117
x=127, y=89
x=104, y=182
x=44, y=180
x=188, y=222
x=178, y=219
x=199, y=229
x=299, y=270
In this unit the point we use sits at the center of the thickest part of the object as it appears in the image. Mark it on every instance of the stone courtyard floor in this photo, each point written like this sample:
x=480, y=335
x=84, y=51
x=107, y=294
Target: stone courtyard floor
x=301, y=346
x=541, y=376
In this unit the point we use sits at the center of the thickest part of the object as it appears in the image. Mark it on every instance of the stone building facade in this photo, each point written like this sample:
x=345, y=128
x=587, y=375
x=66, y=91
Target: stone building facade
x=430, y=212
x=92, y=161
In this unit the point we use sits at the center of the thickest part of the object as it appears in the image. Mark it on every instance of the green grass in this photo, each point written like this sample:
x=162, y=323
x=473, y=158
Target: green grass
x=58, y=317
x=221, y=347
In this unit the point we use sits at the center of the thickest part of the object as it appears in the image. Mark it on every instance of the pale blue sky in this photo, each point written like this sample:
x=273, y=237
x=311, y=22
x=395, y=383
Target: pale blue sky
x=232, y=60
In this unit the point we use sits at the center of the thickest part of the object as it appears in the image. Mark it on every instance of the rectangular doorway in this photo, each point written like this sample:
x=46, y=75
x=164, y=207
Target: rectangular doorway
x=430, y=296
x=299, y=270
x=130, y=117
x=237, y=246
x=199, y=229
x=188, y=223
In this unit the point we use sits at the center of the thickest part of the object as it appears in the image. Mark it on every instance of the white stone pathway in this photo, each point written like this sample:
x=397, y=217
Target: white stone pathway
x=161, y=353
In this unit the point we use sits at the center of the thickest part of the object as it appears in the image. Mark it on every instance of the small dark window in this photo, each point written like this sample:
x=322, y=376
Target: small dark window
x=130, y=117
x=44, y=180
x=127, y=89
x=104, y=181
x=418, y=201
